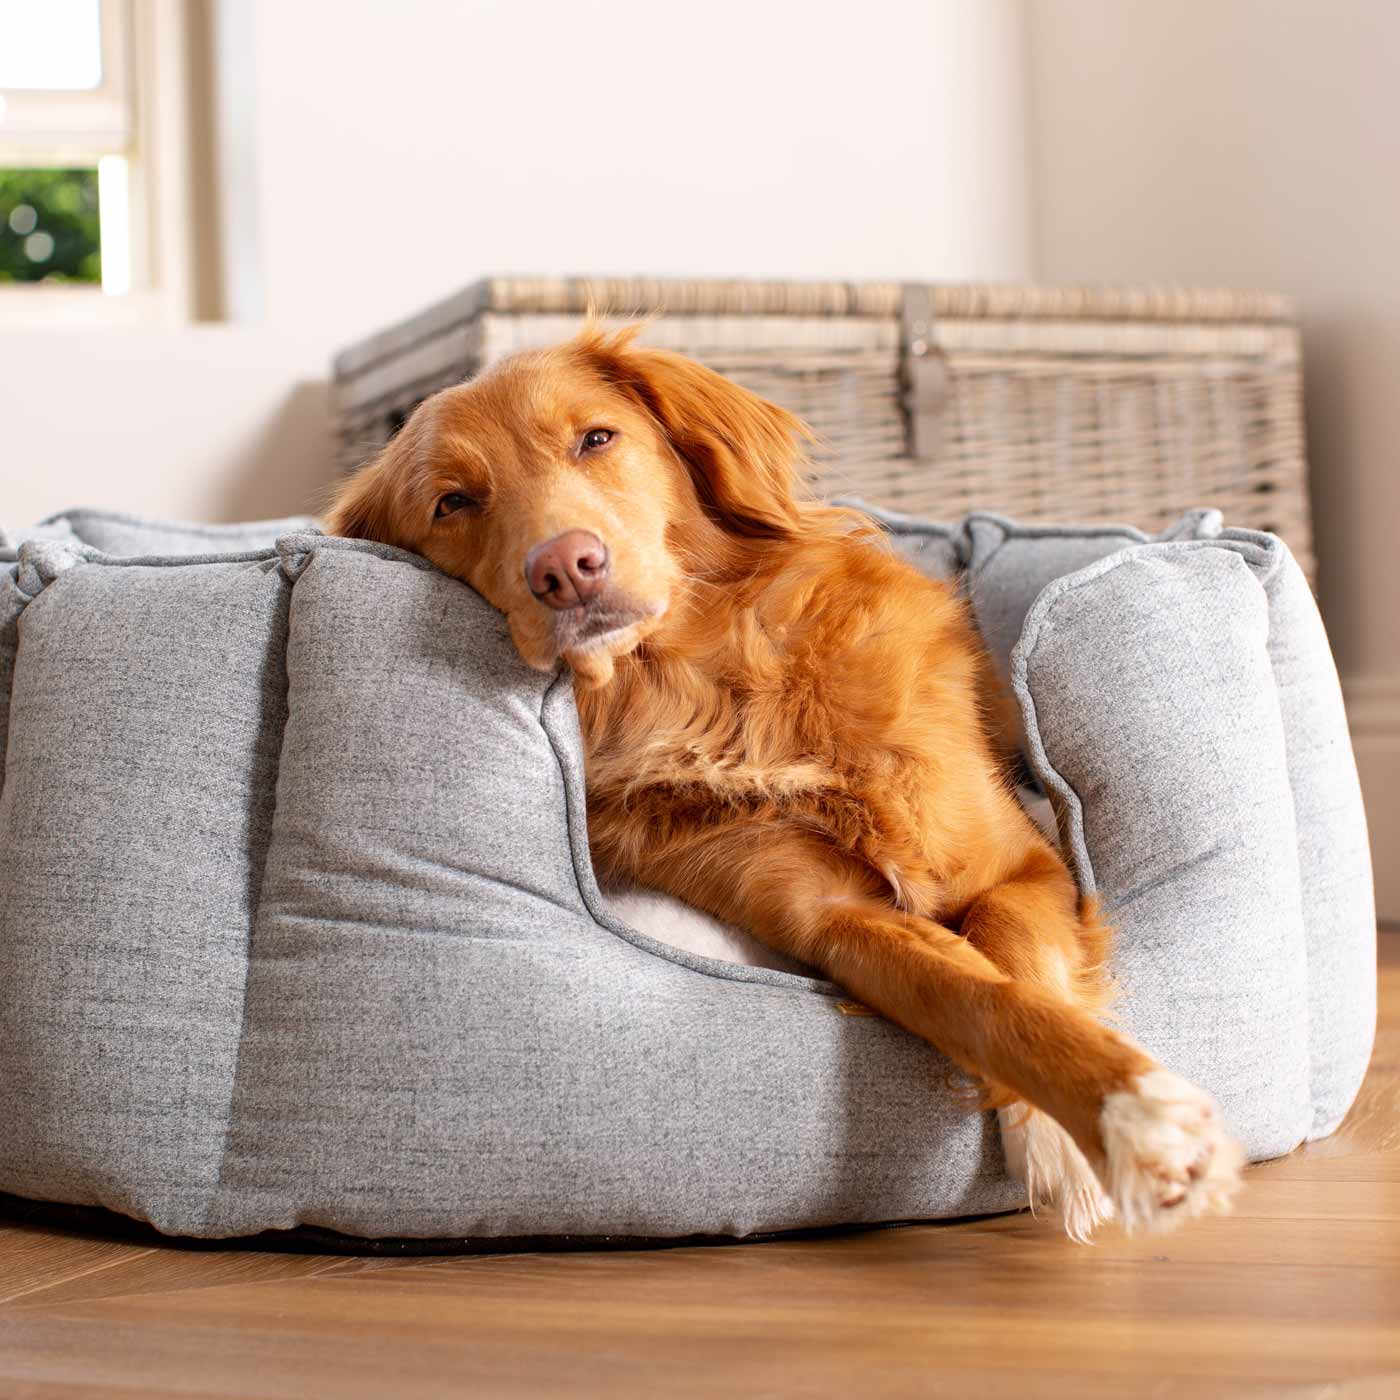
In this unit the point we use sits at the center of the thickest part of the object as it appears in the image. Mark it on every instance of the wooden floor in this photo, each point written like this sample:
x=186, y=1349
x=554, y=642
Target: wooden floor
x=1297, y=1295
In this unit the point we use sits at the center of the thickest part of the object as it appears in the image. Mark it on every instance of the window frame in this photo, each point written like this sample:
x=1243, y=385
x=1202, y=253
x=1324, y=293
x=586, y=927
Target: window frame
x=58, y=125
x=134, y=127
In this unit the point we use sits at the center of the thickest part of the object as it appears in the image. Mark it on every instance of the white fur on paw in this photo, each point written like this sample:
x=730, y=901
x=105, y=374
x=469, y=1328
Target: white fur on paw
x=1041, y=1155
x=1167, y=1155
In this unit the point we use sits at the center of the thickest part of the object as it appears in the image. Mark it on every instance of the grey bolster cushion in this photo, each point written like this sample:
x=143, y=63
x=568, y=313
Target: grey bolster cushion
x=298, y=923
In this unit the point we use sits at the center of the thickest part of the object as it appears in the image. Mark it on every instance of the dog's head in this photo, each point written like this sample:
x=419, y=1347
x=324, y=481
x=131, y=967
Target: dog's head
x=576, y=489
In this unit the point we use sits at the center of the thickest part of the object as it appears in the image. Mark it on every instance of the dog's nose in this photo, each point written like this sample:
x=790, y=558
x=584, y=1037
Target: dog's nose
x=568, y=570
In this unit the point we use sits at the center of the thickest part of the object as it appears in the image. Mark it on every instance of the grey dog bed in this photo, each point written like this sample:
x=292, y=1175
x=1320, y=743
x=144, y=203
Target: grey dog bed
x=298, y=925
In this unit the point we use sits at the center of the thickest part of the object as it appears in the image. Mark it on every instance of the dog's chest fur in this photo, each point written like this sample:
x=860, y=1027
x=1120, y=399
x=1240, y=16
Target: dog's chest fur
x=828, y=712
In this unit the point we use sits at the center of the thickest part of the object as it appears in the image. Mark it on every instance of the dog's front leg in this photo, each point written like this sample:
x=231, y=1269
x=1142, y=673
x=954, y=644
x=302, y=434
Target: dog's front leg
x=1154, y=1141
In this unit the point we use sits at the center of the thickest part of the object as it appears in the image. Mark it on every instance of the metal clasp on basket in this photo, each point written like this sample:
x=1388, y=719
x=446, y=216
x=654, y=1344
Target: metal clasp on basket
x=923, y=371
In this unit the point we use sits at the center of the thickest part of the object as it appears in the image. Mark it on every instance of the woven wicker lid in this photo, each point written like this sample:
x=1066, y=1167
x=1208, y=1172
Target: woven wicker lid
x=709, y=297
x=678, y=296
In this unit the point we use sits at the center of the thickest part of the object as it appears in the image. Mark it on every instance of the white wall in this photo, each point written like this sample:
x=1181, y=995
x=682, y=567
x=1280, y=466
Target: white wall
x=1257, y=143
x=404, y=150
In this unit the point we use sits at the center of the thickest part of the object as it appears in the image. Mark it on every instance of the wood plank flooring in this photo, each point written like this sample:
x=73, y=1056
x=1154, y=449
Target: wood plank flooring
x=1297, y=1294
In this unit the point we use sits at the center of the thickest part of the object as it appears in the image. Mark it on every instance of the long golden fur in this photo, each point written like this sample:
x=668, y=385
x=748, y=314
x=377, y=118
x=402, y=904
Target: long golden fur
x=787, y=726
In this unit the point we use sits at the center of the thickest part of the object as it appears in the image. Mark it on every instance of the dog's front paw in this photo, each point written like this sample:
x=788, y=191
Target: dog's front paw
x=1167, y=1155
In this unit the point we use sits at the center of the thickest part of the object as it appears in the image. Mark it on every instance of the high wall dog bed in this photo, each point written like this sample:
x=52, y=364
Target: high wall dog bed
x=298, y=924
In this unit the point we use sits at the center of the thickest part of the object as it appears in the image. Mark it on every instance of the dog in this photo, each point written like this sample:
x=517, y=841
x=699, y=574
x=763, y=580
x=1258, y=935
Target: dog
x=789, y=728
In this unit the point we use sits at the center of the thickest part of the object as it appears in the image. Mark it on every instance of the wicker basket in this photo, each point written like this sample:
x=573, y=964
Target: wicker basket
x=1045, y=403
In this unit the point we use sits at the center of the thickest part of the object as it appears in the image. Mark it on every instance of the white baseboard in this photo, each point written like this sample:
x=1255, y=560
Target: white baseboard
x=1373, y=712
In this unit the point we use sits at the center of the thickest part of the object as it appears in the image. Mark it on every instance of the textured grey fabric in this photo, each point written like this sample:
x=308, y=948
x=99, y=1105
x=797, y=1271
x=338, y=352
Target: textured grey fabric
x=1334, y=854
x=428, y=1027
x=146, y=719
x=11, y=539
x=1004, y=565
x=1155, y=720
x=1183, y=710
x=1008, y=564
x=12, y=603
x=298, y=922
x=133, y=536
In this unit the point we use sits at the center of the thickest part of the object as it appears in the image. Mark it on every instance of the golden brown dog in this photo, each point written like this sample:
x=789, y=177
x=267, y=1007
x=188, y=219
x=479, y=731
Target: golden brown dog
x=785, y=726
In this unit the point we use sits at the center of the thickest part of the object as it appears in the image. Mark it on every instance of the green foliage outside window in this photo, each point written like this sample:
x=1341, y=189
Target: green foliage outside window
x=49, y=226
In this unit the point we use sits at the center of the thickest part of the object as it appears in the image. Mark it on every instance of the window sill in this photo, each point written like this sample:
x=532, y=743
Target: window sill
x=38, y=306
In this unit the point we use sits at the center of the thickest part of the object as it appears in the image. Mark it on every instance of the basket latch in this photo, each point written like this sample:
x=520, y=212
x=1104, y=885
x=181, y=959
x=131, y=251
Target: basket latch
x=924, y=372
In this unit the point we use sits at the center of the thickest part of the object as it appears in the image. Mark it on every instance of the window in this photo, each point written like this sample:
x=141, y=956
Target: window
x=93, y=152
x=50, y=226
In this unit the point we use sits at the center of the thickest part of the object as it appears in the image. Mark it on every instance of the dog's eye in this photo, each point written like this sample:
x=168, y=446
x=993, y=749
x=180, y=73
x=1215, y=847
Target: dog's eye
x=595, y=438
x=451, y=503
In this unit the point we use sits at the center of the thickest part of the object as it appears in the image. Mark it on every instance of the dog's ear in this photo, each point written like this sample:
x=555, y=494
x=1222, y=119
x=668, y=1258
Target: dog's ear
x=742, y=452
x=364, y=507
x=359, y=508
